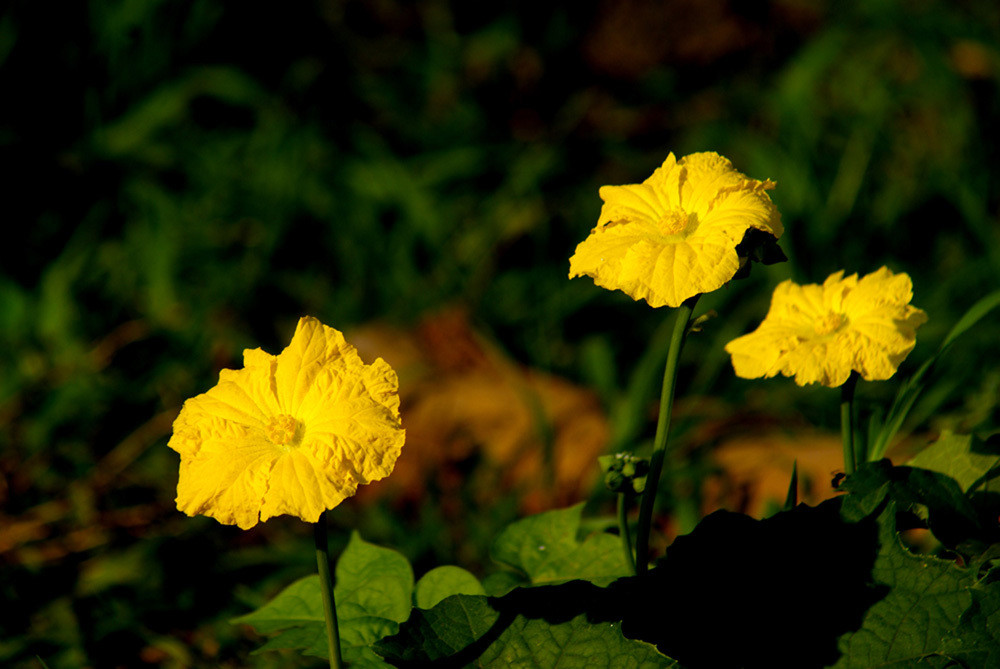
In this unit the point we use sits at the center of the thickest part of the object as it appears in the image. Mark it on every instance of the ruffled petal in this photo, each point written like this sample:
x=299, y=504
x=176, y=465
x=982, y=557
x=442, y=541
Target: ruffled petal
x=314, y=348
x=675, y=235
x=291, y=434
x=819, y=334
x=226, y=476
x=704, y=175
x=302, y=485
x=633, y=202
x=736, y=208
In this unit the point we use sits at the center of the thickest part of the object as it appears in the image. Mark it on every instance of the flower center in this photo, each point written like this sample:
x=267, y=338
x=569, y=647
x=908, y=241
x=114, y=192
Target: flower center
x=674, y=222
x=829, y=323
x=284, y=430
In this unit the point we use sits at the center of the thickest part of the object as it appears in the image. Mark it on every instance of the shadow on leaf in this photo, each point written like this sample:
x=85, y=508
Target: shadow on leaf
x=739, y=592
x=736, y=592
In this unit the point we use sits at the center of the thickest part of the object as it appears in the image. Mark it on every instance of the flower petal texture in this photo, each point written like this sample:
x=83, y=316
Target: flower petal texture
x=295, y=433
x=820, y=333
x=674, y=235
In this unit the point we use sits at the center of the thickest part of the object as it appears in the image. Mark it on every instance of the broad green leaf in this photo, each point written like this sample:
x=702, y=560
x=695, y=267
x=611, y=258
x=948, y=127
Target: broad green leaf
x=467, y=631
x=378, y=580
x=575, y=644
x=373, y=591
x=868, y=487
x=976, y=641
x=958, y=456
x=924, y=599
x=441, y=632
x=442, y=582
x=929, y=494
x=501, y=582
x=546, y=548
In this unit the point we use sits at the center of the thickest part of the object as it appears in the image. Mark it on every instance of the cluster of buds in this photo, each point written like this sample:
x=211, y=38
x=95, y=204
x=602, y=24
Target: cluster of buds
x=624, y=472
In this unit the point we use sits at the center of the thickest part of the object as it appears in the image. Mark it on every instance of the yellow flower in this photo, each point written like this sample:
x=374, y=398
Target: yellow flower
x=291, y=434
x=820, y=333
x=675, y=235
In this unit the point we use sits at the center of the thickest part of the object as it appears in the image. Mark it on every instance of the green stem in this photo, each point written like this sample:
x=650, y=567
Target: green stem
x=847, y=422
x=662, y=432
x=623, y=503
x=326, y=587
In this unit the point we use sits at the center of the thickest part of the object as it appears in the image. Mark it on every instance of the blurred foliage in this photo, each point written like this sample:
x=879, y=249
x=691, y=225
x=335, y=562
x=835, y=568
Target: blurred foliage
x=184, y=179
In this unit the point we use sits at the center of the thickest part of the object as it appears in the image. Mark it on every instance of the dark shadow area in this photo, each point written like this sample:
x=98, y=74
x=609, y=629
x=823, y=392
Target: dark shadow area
x=739, y=592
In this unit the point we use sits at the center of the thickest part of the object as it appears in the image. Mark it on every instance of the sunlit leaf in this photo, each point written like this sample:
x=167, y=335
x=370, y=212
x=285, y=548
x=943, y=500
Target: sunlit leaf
x=373, y=591
x=467, y=631
x=546, y=548
x=960, y=456
x=442, y=582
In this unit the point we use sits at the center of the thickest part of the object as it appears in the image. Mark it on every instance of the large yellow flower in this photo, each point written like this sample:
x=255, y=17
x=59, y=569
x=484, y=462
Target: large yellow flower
x=818, y=334
x=291, y=434
x=675, y=235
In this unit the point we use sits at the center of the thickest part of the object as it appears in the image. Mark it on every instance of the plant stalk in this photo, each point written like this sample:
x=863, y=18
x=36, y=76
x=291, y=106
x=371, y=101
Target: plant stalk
x=662, y=432
x=847, y=422
x=624, y=498
x=326, y=586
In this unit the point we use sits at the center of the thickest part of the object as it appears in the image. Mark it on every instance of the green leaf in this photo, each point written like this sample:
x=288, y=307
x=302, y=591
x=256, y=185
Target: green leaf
x=467, y=631
x=545, y=547
x=501, y=582
x=925, y=598
x=373, y=591
x=441, y=632
x=442, y=582
x=575, y=644
x=959, y=456
x=378, y=580
x=868, y=487
x=976, y=642
x=930, y=495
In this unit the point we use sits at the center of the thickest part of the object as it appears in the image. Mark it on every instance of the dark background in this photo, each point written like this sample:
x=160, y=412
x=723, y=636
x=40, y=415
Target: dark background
x=185, y=179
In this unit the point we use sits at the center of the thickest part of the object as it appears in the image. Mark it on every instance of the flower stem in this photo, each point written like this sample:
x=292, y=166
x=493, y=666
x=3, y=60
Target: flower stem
x=326, y=586
x=847, y=422
x=623, y=503
x=662, y=432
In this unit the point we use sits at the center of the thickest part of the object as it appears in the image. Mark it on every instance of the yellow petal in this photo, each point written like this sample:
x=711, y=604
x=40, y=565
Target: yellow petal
x=303, y=486
x=675, y=235
x=314, y=347
x=289, y=434
x=819, y=334
x=227, y=477
x=629, y=203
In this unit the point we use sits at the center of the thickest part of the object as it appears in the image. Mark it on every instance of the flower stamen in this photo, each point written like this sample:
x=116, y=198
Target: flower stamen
x=674, y=222
x=284, y=430
x=829, y=323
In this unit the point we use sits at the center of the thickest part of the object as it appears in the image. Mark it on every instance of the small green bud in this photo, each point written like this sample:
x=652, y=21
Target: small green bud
x=614, y=481
x=639, y=484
